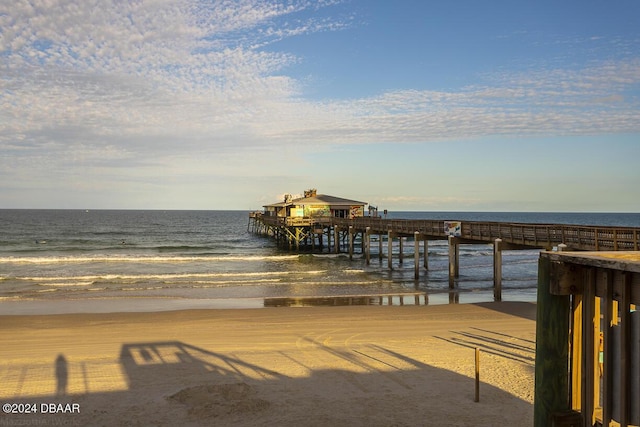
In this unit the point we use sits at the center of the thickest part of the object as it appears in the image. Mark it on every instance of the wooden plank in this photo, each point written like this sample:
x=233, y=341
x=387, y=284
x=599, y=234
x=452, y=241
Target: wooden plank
x=576, y=353
x=606, y=346
x=625, y=319
x=588, y=347
x=595, y=357
x=566, y=279
x=623, y=261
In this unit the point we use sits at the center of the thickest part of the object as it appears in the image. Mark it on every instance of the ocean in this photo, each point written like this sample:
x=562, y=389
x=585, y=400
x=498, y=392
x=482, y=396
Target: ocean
x=69, y=261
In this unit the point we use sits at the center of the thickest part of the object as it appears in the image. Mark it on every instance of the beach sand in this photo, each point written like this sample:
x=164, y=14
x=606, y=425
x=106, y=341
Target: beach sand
x=312, y=366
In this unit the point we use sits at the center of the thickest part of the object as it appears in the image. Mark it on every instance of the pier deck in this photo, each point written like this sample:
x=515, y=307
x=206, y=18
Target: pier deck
x=544, y=236
x=312, y=233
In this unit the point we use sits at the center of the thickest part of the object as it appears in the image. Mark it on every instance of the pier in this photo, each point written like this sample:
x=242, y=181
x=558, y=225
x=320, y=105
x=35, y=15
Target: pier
x=334, y=235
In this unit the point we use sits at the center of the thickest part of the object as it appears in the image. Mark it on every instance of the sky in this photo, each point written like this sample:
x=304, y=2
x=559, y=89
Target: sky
x=408, y=105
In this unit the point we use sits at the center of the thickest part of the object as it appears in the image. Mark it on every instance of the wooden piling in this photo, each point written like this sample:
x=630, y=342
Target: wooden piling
x=497, y=270
x=367, y=245
x=426, y=252
x=390, y=249
x=416, y=255
x=351, y=242
x=454, y=255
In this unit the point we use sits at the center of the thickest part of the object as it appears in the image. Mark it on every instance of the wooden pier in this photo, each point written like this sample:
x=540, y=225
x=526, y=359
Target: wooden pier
x=588, y=339
x=327, y=234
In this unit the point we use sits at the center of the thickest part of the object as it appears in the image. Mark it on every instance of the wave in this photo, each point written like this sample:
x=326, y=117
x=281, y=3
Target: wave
x=142, y=259
x=84, y=280
x=203, y=283
x=519, y=262
x=463, y=253
x=67, y=283
x=330, y=256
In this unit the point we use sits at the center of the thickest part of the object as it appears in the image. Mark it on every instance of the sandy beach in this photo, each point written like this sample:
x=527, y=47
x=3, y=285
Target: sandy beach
x=313, y=366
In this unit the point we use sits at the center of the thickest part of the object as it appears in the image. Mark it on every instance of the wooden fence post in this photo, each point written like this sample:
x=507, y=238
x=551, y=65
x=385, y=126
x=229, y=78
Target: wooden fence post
x=552, y=350
x=477, y=397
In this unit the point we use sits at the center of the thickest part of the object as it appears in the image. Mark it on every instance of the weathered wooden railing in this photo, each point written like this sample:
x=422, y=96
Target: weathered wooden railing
x=588, y=339
x=547, y=236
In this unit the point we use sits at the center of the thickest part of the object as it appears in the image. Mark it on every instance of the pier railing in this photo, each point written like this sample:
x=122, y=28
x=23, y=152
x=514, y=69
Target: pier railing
x=589, y=238
x=545, y=236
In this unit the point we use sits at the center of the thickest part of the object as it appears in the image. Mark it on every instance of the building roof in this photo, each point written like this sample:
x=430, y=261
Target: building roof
x=277, y=205
x=318, y=199
x=325, y=199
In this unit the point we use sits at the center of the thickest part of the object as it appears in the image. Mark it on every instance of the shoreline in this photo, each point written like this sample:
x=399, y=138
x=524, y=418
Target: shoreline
x=160, y=304
x=343, y=365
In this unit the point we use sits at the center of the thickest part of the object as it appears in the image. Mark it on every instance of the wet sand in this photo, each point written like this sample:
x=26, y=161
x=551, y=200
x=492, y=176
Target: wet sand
x=312, y=366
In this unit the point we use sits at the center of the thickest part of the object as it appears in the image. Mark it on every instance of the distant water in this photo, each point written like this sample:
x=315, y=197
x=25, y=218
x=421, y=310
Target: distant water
x=79, y=261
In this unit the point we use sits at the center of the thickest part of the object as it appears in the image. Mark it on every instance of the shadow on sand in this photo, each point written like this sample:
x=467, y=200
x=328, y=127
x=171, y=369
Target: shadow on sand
x=62, y=375
x=525, y=310
x=175, y=383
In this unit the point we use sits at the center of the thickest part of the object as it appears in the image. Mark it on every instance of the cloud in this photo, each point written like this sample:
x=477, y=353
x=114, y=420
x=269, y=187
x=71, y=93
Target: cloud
x=107, y=82
x=112, y=73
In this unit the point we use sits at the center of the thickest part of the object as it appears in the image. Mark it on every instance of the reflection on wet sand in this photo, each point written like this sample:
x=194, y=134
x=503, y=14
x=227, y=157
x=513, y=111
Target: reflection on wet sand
x=418, y=298
x=398, y=299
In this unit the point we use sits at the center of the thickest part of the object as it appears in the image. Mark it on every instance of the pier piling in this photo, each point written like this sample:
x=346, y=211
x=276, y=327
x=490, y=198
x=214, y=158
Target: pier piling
x=416, y=255
x=390, y=249
x=426, y=253
x=497, y=269
x=454, y=257
x=351, y=242
x=367, y=244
